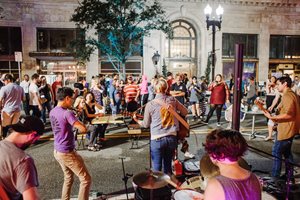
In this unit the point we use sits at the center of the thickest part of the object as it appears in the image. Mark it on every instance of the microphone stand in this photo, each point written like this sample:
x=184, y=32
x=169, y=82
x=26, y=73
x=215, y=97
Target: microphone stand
x=288, y=165
x=126, y=176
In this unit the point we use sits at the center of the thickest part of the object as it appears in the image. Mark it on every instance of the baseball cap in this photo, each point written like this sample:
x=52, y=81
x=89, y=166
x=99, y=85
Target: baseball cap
x=29, y=124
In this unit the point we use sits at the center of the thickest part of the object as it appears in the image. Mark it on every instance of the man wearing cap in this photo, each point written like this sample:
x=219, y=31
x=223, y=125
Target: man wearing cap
x=18, y=175
x=62, y=122
x=11, y=96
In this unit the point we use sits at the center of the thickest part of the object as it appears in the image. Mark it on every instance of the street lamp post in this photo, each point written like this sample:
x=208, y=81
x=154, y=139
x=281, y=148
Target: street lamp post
x=213, y=23
x=155, y=59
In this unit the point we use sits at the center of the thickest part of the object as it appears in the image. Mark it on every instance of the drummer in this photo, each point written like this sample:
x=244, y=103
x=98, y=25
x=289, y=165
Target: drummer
x=225, y=147
x=163, y=127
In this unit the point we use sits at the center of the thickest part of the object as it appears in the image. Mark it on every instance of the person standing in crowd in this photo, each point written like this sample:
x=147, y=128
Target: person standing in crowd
x=45, y=93
x=224, y=148
x=251, y=90
x=55, y=85
x=288, y=126
x=204, y=87
x=272, y=99
x=11, y=97
x=34, y=96
x=219, y=95
x=163, y=131
x=98, y=91
x=151, y=89
x=18, y=175
x=144, y=90
x=132, y=93
x=170, y=81
x=115, y=95
x=178, y=89
x=25, y=85
x=62, y=122
x=1, y=80
x=195, y=97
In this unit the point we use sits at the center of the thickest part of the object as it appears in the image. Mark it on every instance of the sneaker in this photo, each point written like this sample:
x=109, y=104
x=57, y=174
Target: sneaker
x=218, y=124
x=92, y=148
x=189, y=155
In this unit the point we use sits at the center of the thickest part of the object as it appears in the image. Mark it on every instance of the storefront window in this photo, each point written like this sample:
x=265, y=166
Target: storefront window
x=283, y=46
x=55, y=40
x=230, y=39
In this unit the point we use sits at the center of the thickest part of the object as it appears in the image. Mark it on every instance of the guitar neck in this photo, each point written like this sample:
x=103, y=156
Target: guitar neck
x=260, y=106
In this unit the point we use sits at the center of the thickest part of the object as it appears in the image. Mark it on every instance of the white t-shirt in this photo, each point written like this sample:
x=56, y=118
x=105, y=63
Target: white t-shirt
x=25, y=85
x=33, y=100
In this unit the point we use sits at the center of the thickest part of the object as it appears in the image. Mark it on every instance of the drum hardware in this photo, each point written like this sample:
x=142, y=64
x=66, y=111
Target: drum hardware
x=152, y=185
x=289, y=184
x=126, y=176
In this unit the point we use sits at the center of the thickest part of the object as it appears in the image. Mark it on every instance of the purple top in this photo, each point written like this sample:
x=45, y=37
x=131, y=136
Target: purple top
x=242, y=189
x=62, y=121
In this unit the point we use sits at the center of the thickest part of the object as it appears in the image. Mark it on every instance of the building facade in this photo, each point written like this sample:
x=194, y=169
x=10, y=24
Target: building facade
x=269, y=30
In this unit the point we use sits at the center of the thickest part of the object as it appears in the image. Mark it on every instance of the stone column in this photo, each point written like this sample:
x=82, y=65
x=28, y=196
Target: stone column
x=92, y=67
x=263, y=50
x=28, y=40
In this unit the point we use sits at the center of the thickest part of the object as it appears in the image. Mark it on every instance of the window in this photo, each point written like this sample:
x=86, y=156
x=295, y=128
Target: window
x=10, y=40
x=230, y=39
x=183, y=44
x=283, y=46
x=55, y=40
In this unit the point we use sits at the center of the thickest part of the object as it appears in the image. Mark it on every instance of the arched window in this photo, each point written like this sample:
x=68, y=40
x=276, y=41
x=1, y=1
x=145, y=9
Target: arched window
x=183, y=44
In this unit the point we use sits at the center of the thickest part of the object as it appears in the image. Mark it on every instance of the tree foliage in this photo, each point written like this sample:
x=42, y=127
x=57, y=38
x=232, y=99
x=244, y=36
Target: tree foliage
x=121, y=25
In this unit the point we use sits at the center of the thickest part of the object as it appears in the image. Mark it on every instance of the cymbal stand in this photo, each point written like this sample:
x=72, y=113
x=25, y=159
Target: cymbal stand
x=126, y=176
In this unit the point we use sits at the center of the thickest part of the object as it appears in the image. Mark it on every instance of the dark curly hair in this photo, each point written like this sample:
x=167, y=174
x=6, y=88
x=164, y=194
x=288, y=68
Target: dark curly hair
x=221, y=144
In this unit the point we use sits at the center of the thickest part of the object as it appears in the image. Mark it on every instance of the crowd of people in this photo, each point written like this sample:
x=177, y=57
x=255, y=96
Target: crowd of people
x=71, y=110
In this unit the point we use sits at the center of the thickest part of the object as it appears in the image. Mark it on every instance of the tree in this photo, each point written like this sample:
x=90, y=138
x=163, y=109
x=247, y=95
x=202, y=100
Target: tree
x=121, y=25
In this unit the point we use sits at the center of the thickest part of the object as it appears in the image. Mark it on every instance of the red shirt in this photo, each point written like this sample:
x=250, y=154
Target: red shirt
x=55, y=87
x=219, y=93
x=130, y=91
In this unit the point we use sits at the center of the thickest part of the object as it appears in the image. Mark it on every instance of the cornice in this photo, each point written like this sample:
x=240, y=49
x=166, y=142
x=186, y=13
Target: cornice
x=268, y=3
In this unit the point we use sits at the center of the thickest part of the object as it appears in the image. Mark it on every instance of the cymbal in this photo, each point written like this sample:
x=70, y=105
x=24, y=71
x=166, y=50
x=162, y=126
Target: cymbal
x=150, y=180
x=208, y=169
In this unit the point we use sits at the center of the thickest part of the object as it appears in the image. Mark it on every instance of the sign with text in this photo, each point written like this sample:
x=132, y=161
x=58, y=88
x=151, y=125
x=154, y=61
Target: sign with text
x=18, y=56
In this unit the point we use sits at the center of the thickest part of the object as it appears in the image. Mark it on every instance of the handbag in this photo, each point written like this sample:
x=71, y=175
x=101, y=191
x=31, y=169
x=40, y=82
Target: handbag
x=184, y=127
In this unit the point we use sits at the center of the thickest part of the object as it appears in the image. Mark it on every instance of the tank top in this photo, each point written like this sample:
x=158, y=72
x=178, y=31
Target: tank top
x=91, y=110
x=241, y=189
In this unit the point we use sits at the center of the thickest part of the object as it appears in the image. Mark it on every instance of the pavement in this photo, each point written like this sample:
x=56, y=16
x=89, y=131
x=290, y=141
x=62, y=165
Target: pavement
x=105, y=166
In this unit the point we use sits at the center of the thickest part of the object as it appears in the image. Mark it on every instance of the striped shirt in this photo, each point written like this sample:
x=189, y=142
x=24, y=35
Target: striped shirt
x=130, y=91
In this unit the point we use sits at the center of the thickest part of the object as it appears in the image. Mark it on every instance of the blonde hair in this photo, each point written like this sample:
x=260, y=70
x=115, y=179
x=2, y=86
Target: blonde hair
x=161, y=86
x=77, y=101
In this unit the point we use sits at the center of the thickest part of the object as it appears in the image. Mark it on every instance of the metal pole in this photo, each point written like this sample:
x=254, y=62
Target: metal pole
x=237, y=93
x=19, y=71
x=213, y=50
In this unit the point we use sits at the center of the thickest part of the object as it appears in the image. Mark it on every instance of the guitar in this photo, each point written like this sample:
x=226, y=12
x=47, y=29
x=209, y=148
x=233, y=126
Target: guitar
x=260, y=104
x=131, y=114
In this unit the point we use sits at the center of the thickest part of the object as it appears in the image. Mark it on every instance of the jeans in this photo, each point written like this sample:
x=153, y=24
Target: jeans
x=26, y=104
x=282, y=147
x=72, y=163
x=115, y=109
x=162, y=151
x=46, y=105
x=251, y=100
x=35, y=111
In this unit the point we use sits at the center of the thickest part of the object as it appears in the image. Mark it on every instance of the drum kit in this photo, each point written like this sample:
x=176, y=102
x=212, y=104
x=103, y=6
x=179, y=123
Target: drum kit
x=154, y=185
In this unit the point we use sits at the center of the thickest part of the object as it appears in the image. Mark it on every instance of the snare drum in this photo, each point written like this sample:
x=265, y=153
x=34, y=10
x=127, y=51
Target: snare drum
x=187, y=195
x=267, y=196
x=196, y=183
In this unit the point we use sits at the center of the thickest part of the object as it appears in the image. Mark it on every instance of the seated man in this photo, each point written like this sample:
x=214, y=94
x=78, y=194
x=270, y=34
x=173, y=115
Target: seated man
x=224, y=148
x=18, y=175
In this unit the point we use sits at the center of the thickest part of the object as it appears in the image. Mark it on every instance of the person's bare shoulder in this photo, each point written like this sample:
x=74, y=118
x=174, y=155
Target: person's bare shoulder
x=214, y=190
